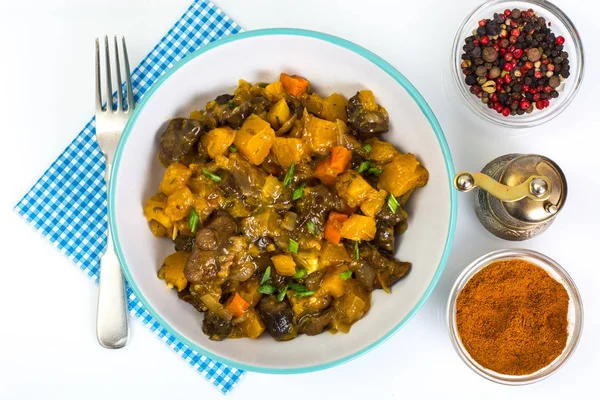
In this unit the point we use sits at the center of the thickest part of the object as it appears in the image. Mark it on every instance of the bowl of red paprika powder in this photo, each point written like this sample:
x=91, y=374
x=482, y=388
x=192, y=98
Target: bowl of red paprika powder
x=497, y=76
x=515, y=316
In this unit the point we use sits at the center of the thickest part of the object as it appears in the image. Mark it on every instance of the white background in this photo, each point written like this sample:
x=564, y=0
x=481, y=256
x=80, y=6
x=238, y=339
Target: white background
x=48, y=347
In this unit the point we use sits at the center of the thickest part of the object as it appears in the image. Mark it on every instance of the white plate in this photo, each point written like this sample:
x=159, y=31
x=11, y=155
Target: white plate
x=331, y=64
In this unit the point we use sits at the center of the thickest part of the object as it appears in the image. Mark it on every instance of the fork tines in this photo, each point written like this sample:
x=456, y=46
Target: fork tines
x=108, y=88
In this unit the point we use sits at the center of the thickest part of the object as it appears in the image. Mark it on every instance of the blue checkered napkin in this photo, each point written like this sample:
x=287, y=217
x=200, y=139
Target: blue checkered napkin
x=67, y=205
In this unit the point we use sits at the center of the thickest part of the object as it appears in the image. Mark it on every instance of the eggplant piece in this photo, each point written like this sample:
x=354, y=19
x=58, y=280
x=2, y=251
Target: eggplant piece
x=385, y=237
x=190, y=298
x=228, y=184
x=295, y=106
x=203, y=263
x=278, y=318
x=185, y=243
x=366, y=275
x=178, y=140
x=313, y=281
x=235, y=117
x=392, y=218
x=314, y=324
x=315, y=205
x=224, y=99
x=215, y=327
x=364, y=123
x=389, y=269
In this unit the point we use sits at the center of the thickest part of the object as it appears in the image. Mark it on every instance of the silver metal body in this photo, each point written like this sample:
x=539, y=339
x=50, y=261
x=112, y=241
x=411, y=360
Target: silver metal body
x=523, y=219
x=112, y=327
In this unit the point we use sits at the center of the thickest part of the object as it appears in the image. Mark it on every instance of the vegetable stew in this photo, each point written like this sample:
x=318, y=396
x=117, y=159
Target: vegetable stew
x=283, y=207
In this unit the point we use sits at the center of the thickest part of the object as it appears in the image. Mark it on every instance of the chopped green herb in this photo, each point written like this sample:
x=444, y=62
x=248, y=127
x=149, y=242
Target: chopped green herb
x=231, y=105
x=298, y=192
x=298, y=287
x=312, y=228
x=193, y=220
x=266, y=275
x=299, y=295
x=287, y=181
x=233, y=148
x=392, y=203
x=267, y=289
x=375, y=171
x=364, y=166
x=300, y=273
x=282, y=293
x=293, y=246
x=346, y=275
x=262, y=84
x=368, y=148
x=356, y=251
x=211, y=176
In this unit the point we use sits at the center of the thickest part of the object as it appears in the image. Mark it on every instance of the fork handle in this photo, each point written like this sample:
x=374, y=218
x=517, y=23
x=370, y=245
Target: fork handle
x=112, y=327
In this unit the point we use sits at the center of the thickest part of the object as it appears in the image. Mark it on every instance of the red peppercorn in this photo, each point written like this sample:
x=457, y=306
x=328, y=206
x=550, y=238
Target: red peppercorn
x=494, y=97
x=502, y=51
x=503, y=16
x=536, y=97
x=513, y=23
x=511, y=48
x=508, y=67
x=508, y=56
x=529, y=65
x=545, y=61
x=498, y=108
x=560, y=40
x=533, y=90
x=507, y=79
x=514, y=62
x=475, y=42
x=525, y=88
x=515, y=32
x=548, y=89
x=546, y=102
x=496, y=46
x=483, y=22
x=484, y=40
x=518, y=53
x=524, y=104
x=506, y=111
x=537, y=74
x=507, y=12
x=513, y=39
x=499, y=80
x=539, y=104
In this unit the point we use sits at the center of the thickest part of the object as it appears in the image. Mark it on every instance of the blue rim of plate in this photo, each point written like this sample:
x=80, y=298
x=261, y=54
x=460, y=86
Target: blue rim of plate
x=385, y=66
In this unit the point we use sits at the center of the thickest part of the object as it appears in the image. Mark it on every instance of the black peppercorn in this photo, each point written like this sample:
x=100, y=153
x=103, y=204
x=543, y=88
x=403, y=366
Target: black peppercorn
x=470, y=80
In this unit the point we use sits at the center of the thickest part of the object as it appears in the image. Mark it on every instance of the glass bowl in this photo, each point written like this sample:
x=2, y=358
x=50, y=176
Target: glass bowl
x=561, y=25
x=575, y=315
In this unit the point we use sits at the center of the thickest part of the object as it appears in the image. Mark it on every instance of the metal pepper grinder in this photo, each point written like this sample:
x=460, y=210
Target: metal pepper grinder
x=517, y=196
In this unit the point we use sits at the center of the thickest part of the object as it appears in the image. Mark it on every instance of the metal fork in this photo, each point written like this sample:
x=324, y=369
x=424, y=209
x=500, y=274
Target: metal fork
x=112, y=328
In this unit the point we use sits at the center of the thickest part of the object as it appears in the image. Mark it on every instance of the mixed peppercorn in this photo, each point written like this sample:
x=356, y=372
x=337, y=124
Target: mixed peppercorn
x=514, y=63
